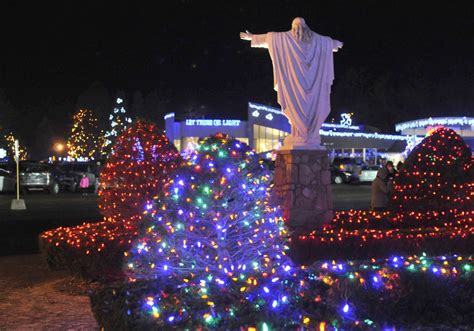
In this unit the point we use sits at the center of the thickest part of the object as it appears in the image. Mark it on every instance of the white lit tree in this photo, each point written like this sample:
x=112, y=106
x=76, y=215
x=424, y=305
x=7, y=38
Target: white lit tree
x=118, y=123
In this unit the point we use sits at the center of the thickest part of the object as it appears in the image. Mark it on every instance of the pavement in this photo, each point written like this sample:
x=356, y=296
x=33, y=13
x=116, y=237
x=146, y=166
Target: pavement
x=20, y=228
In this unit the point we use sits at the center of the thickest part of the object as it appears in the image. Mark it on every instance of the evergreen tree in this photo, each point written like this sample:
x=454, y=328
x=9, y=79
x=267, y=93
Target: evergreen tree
x=23, y=153
x=118, y=123
x=436, y=179
x=84, y=140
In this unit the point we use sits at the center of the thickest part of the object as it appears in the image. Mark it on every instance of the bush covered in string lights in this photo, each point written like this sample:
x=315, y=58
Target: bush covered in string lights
x=436, y=181
x=135, y=173
x=431, y=209
x=217, y=230
x=361, y=234
x=402, y=291
x=214, y=255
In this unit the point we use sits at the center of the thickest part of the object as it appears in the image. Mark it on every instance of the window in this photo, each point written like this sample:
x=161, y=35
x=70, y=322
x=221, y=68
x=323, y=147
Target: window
x=266, y=139
x=177, y=144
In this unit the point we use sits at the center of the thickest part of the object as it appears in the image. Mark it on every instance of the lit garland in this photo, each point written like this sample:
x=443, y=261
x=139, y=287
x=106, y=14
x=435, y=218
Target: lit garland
x=118, y=123
x=444, y=121
x=85, y=139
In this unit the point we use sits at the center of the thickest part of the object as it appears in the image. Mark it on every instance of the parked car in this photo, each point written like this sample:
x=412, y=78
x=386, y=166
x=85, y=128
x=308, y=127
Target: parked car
x=7, y=177
x=368, y=174
x=349, y=165
x=38, y=176
x=70, y=174
x=340, y=177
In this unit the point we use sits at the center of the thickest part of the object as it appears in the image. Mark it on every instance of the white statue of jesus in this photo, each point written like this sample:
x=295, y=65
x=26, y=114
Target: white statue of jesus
x=303, y=72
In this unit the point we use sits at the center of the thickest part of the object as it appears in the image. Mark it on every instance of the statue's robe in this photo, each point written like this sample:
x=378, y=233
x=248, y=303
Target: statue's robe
x=303, y=72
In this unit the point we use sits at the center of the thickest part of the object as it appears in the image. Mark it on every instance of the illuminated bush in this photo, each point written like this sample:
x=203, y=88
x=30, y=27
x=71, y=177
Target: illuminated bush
x=436, y=181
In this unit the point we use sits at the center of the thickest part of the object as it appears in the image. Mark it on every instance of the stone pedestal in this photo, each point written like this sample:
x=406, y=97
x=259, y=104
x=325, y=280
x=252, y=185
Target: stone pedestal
x=303, y=183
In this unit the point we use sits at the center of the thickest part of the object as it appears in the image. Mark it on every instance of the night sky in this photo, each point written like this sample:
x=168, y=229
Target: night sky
x=400, y=60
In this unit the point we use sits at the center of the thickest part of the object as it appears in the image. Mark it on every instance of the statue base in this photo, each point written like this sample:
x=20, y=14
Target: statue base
x=302, y=143
x=303, y=183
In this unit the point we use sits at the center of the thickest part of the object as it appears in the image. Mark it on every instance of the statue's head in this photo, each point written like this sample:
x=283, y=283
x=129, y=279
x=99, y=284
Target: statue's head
x=300, y=30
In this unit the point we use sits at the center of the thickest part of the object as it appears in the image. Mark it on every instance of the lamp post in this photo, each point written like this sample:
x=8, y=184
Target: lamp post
x=17, y=204
x=58, y=148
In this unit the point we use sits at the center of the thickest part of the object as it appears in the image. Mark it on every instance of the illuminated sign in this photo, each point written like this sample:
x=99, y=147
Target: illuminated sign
x=346, y=119
x=196, y=122
x=3, y=153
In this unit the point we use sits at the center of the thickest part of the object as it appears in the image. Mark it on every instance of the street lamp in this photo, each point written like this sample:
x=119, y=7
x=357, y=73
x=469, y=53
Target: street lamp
x=58, y=147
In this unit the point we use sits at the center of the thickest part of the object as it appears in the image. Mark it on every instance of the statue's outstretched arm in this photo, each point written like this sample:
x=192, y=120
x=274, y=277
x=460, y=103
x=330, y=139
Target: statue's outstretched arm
x=257, y=40
x=246, y=35
x=337, y=45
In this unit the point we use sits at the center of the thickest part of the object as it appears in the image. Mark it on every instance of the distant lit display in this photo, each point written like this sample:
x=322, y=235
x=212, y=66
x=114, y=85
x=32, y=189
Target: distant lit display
x=264, y=111
x=196, y=122
x=442, y=121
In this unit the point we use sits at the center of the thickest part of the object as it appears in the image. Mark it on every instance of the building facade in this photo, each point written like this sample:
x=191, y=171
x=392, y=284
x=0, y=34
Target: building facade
x=464, y=126
x=266, y=127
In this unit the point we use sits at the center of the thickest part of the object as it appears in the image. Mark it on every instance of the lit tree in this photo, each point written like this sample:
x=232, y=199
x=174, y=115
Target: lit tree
x=118, y=123
x=84, y=140
x=218, y=233
x=436, y=179
x=10, y=138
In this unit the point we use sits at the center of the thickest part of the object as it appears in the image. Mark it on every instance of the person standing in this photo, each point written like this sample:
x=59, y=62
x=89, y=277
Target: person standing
x=84, y=184
x=391, y=170
x=380, y=190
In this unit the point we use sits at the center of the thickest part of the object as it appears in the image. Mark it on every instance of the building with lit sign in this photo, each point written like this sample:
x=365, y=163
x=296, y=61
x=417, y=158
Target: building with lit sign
x=266, y=127
x=464, y=126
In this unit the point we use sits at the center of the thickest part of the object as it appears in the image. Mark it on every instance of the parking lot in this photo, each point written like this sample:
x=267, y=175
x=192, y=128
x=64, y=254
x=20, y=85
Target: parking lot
x=20, y=228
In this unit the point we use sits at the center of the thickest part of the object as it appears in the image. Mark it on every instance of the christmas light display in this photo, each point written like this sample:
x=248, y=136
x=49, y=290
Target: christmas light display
x=142, y=159
x=23, y=153
x=327, y=295
x=436, y=180
x=85, y=139
x=217, y=214
x=135, y=172
x=216, y=227
x=118, y=123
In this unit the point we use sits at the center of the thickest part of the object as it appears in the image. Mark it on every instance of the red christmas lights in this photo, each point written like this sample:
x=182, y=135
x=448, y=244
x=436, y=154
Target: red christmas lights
x=432, y=201
x=139, y=166
x=141, y=161
x=436, y=181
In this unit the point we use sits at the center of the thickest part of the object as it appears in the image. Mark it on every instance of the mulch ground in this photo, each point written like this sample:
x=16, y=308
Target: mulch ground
x=35, y=298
